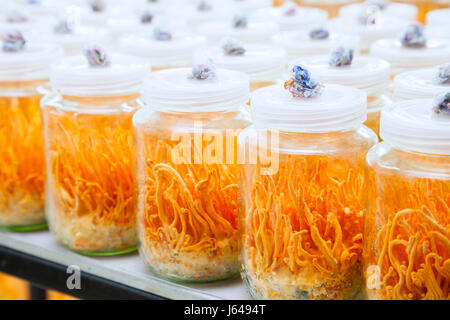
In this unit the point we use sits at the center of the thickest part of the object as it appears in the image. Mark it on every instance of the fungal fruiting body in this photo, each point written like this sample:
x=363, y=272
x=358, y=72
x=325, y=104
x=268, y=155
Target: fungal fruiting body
x=407, y=237
x=21, y=162
x=302, y=228
x=187, y=209
x=90, y=189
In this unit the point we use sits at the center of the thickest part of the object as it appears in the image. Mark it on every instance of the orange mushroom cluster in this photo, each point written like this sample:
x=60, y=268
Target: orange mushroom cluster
x=407, y=238
x=302, y=228
x=187, y=213
x=21, y=162
x=91, y=182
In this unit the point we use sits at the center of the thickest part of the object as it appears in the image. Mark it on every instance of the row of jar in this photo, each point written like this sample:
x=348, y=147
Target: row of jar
x=196, y=175
x=70, y=32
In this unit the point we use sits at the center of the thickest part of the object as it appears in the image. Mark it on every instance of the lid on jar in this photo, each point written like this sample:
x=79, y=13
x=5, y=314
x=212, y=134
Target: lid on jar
x=435, y=51
x=22, y=61
x=290, y=16
x=143, y=22
x=421, y=84
x=301, y=44
x=97, y=74
x=260, y=62
x=438, y=31
x=384, y=27
x=254, y=30
x=401, y=10
x=367, y=73
x=72, y=38
x=97, y=12
x=162, y=48
x=413, y=125
x=200, y=89
x=308, y=106
x=438, y=17
x=202, y=11
x=249, y=5
x=23, y=21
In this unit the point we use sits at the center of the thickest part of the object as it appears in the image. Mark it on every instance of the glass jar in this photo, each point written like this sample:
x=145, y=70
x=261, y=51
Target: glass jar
x=418, y=84
x=89, y=153
x=187, y=173
x=406, y=235
x=365, y=72
x=301, y=204
x=23, y=75
x=165, y=49
x=331, y=6
x=264, y=64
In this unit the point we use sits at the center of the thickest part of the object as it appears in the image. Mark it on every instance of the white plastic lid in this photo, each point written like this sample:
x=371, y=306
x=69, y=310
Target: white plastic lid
x=298, y=43
x=249, y=5
x=367, y=73
x=173, y=90
x=32, y=63
x=122, y=25
x=260, y=62
x=438, y=31
x=304, y=17
x=256, y=31
x=401, y=10
x=174, y=53
x=338, y=108
x=412, y=125
x=386, y=27
x=31, y=23
x=73, y=76
x=436, y=51
x=418, y=84
x=220, y=12
x=438, y=17
x=73, y=43
x=100, y=18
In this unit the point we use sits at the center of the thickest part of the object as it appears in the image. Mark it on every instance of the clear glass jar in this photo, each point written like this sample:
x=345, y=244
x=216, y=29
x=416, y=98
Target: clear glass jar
x=23, y=74
x=301, y=219
x=187, y=203
x=22, y=156
x=89, y=154
x=406, y=234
